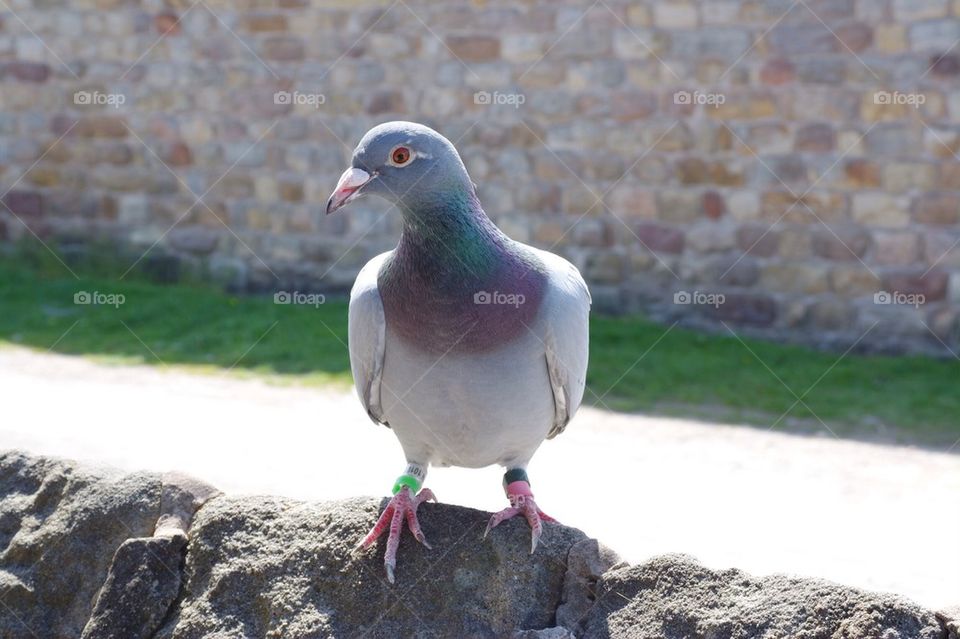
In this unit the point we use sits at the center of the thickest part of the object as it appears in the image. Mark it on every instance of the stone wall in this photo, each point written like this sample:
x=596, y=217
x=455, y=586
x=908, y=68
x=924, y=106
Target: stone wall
x=783, y=166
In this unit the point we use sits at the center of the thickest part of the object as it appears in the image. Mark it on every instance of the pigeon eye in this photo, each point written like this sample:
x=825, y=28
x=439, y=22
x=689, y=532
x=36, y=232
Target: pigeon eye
x=400, y=155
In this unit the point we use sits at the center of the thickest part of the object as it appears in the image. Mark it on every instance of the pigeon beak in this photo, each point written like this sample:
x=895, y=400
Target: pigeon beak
x=348, y=188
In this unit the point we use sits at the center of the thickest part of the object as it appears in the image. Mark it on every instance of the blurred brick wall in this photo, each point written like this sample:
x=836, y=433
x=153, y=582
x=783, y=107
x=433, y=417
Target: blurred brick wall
x=777, y=164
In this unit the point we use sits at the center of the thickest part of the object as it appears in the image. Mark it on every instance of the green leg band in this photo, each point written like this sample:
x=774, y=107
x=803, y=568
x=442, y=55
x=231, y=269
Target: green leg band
x=409, y=481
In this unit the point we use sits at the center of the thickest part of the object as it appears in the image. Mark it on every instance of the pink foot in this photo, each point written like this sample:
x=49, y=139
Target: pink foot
x=521, y=501
x=402, y=506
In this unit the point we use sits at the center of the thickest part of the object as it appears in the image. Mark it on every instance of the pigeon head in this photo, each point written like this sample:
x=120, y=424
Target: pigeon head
x=406, y=163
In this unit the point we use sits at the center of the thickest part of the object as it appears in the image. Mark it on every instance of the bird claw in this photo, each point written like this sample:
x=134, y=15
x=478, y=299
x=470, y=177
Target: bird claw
x=425, y=495
x=401, y=507
x=419, y=536
x=522, y=504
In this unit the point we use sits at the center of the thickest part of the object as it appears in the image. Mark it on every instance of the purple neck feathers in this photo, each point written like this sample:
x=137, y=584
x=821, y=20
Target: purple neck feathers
x=455, y=282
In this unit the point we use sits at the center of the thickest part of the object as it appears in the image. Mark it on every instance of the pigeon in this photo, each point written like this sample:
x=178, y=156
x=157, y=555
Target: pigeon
x=470, y=346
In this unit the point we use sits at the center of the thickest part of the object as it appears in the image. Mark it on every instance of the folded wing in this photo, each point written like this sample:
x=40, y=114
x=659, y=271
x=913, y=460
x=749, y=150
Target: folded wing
x=567, y=337
x=367, y=338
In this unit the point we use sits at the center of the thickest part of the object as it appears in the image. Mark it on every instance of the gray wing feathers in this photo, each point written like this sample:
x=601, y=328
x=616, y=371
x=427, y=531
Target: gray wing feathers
x=567, y=340
x=367, y=338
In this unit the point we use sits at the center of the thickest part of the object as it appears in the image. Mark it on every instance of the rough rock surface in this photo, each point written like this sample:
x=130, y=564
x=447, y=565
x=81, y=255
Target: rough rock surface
x=268, y=567
x=106, y=555
x=143, y=583
x=60, y=525
x=674, y=596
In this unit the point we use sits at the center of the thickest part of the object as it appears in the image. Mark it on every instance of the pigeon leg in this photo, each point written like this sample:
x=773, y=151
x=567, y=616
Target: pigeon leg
x=517, y=487
x=402, y=507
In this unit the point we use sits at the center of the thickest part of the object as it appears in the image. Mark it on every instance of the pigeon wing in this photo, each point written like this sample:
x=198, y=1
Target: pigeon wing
x=367, y=338
x=567, y=338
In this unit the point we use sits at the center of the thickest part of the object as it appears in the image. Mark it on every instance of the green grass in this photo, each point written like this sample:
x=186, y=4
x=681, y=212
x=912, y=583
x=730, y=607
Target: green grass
x=905, y=399
x=193, y=325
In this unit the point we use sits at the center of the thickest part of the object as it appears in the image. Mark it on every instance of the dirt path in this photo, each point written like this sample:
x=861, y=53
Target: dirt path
x=874, y=516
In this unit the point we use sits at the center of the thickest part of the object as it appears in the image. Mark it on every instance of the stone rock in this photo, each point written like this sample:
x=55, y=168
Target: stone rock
x=604, y=267
x=672, y=15
x=711, y=237
x=777, y=71
x=261, y=22
x=942, y=248
x=679, y=206
x=890, y=38
x=895, y=248
x=791, y=40
x=932, y=284
x=744, y=205
x=746, y=308
x=854, y=281
x=910, y=10
x=673, y=596
x=627, y=106
x=274, y=567
x=900, y=177
x=381, y=102
x=659, y=238
x=796, y=277
x=934, y=36
x=937, y=208
x=143, y=582
x=59, y=528
x=758, y=240
x=950, y=619
x=283, y=49
x=879, y=209
x=944, y=323
x=474, y=48
x=817, y=138
x=832, y=314
x=713, y=204
x=261, y=566
x=587, y=561
x=734, y=271
x=945, y=65
x=862, y=173
x=953, y=290
x=27, y=71
x=844, y=244
x=194, y=239
x=27, y=204
x=166, y=23
x=181, y=498
x=855, y=36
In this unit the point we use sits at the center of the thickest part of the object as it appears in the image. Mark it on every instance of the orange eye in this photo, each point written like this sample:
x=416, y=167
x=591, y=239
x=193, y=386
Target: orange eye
x=401, y=155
